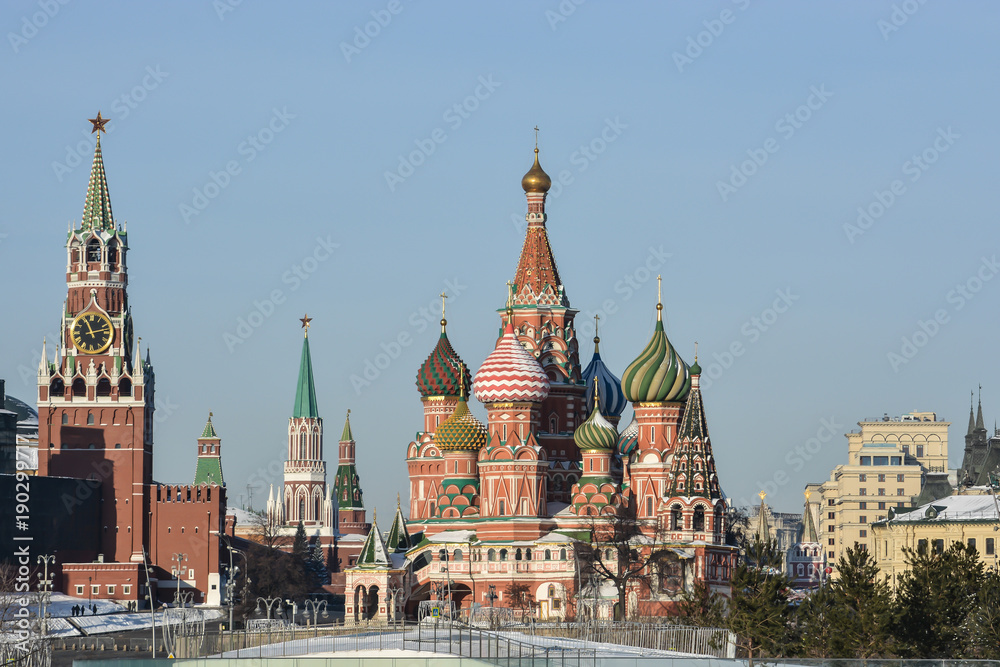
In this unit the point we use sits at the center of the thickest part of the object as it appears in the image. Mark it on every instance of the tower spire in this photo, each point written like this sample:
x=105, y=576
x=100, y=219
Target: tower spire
x=597, y=336
x=305, y=392
x=97, y=208
x=980, y=426
x=972, y=418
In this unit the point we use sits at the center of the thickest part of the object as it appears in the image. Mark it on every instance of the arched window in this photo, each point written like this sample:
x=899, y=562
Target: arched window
x=491, y=555
x=302, y=508
x=90, y=419
x=676, y=518
x=562, y=554
x=698, y=523
x=503, y=554
x=517, y=555
x=548, y=555
x=527, y=554
x=104, y=387
x=65, y=418
x=93, y=251
x=79, y=387
x=457, y=556
x=442, y=554
x=552, y=591
x=124, y=387
x=57, y=388
x=553, y=424
x=113, y=255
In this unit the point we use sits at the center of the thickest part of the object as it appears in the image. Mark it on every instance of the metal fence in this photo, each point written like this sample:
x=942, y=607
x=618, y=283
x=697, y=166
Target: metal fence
x=715, y=642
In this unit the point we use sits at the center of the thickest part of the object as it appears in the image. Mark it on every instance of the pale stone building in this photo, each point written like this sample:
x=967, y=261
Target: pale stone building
x=972, y=519
x=887, y=463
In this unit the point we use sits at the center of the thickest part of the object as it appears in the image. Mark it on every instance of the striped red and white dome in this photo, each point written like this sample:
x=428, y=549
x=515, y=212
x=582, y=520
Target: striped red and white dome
x=510, y=374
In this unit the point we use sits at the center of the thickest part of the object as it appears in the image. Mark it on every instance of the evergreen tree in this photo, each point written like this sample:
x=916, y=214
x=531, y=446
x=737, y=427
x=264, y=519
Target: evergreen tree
x=300, y=544
x=861, y=608
x=316, y=567
x=936, y=596
x=701, y=607
x=813, y=631
x=983, y=625
x=759, y=609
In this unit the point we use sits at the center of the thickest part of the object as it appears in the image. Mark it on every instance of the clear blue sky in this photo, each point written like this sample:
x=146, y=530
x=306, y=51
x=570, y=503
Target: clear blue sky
x=309, y=118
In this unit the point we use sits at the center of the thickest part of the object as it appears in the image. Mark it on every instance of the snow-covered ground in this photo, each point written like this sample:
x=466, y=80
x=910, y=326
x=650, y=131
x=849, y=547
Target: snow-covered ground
x=111, y=616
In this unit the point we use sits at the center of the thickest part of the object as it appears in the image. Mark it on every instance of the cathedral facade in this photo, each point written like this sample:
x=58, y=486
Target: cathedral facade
x=521, y=497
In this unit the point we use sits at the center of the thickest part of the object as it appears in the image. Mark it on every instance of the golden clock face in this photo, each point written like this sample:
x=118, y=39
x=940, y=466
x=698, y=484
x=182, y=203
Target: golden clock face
x=92, y=333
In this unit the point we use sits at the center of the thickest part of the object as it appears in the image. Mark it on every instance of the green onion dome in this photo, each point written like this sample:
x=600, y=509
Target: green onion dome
x=596, y=433
x=461, y=430
x=659, y=374
x=440, y=374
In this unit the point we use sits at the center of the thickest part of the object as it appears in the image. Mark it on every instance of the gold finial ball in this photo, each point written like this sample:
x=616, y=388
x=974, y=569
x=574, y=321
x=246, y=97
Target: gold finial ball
x=536, y=180
x=443, y=321
x=659, y=306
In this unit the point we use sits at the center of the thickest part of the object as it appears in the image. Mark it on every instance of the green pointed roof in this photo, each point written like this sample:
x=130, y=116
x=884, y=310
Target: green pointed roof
x=374, y=553
x=97, y=208
x=209, y=468
x=763, y=531
x=347, y=436
x=693, y=424
x=209, y=431
x=305, y=392
x=399, y=537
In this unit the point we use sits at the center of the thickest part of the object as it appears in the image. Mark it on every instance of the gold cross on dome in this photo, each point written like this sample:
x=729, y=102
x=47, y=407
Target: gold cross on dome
x=536, y=137
x=762, y=495
x=443, y=297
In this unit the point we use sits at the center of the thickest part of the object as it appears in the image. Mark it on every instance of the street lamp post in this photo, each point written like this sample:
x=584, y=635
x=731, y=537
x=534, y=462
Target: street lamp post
x=231, y=576
x=491, y=595
x=45, y=588
x=180, y=558
x=268, y=602
x=315, y=606
x=152, y=605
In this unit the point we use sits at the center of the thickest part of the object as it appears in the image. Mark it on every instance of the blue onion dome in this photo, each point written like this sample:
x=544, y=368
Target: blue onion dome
x=461, y=430
x=658, y=375
x=629, y=438
x=596, y=433
x=609, y=388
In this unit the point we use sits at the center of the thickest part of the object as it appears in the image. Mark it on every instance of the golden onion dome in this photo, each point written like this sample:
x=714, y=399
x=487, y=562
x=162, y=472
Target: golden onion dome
x=536, y=180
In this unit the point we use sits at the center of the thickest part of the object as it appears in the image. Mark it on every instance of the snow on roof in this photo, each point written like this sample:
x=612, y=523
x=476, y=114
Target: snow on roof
x=454, y=536
x=953, y=508
x=243, y=517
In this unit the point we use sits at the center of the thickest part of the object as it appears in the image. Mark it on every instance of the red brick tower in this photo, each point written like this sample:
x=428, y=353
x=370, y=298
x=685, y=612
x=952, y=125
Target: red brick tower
x=95, y=399
x=543, y=323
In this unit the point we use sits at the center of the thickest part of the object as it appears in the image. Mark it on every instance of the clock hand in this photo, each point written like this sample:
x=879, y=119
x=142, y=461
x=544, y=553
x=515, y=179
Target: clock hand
x=88, y=327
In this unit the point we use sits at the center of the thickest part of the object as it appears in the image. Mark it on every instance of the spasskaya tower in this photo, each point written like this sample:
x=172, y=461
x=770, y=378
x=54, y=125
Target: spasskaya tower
x=95, y=395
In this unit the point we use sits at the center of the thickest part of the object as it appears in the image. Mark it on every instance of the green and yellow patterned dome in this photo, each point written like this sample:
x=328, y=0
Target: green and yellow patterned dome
x=461, y=431
x=596, y=433
x=658, y=375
